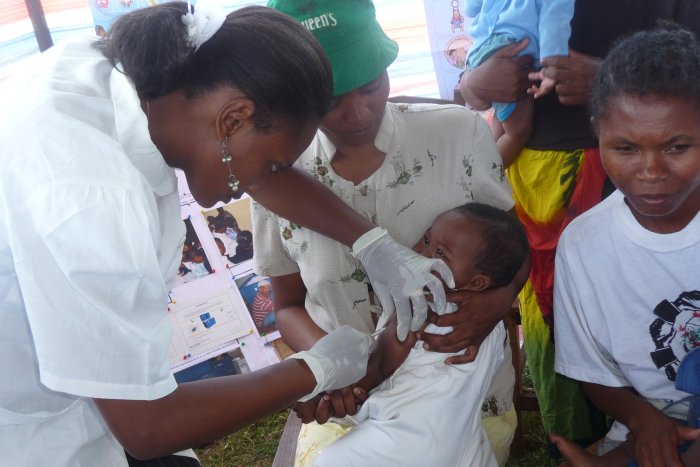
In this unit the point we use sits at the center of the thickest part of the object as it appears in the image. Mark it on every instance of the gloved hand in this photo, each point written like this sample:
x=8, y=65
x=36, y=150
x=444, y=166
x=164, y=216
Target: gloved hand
x=338, y=359
x=399, y=275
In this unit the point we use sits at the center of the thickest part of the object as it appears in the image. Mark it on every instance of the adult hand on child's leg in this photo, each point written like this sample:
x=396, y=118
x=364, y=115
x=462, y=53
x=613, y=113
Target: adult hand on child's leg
x=501, y=78
x=656, y=439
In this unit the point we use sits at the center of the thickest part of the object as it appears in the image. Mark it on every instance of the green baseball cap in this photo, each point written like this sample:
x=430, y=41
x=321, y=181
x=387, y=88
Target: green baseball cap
x=350, y=35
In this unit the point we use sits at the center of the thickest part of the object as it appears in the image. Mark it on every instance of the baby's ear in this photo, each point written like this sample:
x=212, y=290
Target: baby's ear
x=479, y=282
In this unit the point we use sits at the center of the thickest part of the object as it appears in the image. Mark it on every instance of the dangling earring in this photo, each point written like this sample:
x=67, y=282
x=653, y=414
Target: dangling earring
x=233, y=182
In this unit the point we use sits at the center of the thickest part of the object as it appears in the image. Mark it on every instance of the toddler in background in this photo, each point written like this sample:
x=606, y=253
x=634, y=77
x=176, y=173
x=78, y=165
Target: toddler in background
x=545, y=24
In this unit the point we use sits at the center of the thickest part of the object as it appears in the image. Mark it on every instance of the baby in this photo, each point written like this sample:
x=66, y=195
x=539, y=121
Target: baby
x=426, y=402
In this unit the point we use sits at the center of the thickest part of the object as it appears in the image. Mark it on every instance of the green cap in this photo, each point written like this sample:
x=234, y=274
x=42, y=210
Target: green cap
x=350, y=35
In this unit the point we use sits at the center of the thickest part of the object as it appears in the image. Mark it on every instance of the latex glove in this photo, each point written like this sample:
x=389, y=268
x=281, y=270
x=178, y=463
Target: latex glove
x=338, y=359
x=399, y=275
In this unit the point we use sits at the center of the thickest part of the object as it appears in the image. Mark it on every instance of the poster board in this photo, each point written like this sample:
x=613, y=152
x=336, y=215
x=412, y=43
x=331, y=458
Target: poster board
x=220, y=310
x=448, y=31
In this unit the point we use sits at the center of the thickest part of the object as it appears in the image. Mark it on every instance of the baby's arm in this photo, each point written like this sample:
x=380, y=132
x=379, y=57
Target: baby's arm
x=388, y=354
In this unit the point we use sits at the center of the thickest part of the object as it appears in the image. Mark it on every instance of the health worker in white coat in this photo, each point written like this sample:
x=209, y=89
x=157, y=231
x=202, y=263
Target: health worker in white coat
x=91, y=234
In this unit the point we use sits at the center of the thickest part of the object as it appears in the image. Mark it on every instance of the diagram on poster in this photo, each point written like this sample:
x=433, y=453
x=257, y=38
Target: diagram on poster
x=206, y=326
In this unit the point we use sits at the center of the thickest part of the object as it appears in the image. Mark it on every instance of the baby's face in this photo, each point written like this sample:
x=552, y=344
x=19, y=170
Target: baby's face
x=455, y=240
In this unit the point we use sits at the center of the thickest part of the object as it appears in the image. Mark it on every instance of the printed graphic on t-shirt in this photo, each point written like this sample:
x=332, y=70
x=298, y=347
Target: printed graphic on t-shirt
x=676, y=331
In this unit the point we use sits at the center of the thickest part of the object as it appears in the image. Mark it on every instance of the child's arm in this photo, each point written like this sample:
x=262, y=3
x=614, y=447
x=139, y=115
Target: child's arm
x=385, y=358
x=388, y=354
x=656, y=436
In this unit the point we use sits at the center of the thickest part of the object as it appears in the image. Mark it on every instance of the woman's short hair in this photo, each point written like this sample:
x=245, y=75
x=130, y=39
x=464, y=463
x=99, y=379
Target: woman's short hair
x=659, y=62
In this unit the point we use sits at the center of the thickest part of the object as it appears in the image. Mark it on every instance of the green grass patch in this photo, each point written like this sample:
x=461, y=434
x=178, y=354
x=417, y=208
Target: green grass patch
x=254, y=446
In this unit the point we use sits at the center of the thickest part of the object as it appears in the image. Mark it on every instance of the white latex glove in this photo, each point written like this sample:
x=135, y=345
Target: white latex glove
x=399, y=275
x=337, y=360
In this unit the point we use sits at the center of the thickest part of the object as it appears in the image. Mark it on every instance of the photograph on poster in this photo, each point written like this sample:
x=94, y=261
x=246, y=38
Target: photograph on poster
x=257, y=295
x=231, y=227
x=229, y=363
x=194, y=264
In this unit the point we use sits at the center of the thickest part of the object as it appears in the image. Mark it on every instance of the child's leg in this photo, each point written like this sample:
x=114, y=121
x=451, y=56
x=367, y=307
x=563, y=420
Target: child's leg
x=512, y=133
x=576, y=456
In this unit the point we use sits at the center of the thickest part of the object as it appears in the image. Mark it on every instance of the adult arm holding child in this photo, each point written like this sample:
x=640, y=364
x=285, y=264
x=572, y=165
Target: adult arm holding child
x=397, y=274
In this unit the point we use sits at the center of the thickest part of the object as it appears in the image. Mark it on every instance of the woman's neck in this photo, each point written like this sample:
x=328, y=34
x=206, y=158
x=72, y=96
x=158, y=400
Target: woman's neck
x=357, y=163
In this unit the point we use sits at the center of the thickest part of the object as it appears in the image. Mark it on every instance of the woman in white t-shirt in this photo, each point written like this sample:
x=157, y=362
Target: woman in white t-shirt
x=627, y=288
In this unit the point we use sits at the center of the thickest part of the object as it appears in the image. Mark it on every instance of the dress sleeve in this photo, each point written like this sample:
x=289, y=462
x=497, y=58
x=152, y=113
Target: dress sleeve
x=578, y=354
x=270, y=257
x=473, y=7
x=95, y=297
x=490, y=185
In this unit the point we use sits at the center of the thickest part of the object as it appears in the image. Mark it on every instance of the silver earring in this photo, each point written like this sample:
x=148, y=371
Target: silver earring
x=233, y=182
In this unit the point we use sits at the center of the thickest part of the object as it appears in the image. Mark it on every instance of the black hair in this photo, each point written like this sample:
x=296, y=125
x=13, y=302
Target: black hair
x=266, y=54
x=245, y=237
x=505, y=243
x=664, y=61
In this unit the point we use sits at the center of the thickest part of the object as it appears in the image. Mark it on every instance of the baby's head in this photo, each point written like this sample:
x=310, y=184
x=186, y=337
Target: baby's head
x=483, y=246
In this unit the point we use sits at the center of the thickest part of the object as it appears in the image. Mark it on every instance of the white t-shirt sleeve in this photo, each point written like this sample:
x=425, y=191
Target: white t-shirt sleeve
x=578, y=354
x=96, y=301
x=270, y=258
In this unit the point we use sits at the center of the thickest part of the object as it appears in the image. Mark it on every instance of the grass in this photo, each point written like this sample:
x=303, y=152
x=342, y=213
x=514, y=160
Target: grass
x=534, y=454
x=253, y=446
